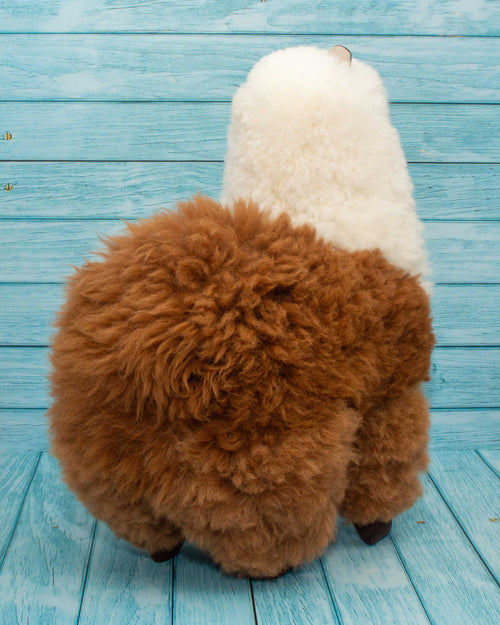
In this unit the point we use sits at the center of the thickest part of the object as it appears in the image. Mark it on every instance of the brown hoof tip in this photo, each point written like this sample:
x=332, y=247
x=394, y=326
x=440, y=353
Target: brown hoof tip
x=263, y=578
x=372, y=533
x=166, y=554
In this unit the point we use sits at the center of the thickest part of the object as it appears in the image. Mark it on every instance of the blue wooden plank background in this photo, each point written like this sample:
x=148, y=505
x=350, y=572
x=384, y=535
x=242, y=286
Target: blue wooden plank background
x=111, y=110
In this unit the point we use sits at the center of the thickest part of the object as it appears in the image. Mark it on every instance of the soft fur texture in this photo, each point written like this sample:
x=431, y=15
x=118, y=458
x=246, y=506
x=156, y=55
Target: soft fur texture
x=229, y=378
x=310, y=134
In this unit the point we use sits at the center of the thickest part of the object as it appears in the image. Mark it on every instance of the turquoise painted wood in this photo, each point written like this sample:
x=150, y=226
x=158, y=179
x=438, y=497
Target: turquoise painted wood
x=169, y=67
x=464, y=314
x=107, y=190
x=430, y=571
x=16, y=472
x=492, y=458
x=415, y=17
x=370, y=585
x=465, y=428
x=462, y=377
x=43, y=572
x=115, y=566
x=185, y=131
x=203, y=595
x=301, y=596
x=476, y=506
x=23, y=429
x=48, y=190
x=448, y=574
x=460, y=252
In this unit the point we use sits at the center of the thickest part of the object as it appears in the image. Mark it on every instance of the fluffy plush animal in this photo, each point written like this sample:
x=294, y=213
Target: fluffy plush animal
x=236, y=375
x=310, y=135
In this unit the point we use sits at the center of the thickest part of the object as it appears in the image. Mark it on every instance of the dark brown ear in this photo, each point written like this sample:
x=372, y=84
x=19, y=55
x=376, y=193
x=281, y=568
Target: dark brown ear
x=372, y=533
x=342, y=53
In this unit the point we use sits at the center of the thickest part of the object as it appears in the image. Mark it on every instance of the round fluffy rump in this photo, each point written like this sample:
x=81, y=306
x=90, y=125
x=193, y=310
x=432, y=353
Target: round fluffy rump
x=208, y=376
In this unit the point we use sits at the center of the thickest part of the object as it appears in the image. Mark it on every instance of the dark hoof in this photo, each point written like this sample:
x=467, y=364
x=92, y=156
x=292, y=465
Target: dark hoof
x=267, y=577
x=166, y=554
x=372, y=533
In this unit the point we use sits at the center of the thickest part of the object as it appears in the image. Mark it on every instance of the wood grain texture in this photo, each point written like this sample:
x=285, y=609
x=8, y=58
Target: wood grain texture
x=16, y=471
x=27, y=312
x=464, y=252
x=124, y=585
x=492, y=458
x=130, y=190
x=458, y=17
x=23, y=381
x=23, y=430
x=205, y=596
x=45, y=251
x=472, y=492
x=369, y=583
x=43, y=572
x=463, y=377
x=103, y=190
x=450, y=578
x=301, y=596
x=196, y=131
x=465, y=429
x=464, y=314
x=210, y=67
x=456, y=191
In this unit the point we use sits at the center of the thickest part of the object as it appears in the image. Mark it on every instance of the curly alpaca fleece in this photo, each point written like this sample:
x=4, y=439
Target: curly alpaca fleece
x=210, y=376
x=311, y=135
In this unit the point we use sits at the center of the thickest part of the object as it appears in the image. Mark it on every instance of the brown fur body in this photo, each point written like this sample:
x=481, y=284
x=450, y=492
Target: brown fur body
x=229, y=378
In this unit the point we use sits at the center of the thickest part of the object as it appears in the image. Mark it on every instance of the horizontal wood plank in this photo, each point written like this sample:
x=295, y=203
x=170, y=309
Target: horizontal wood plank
x=370, y=585
x=183, y=131
x=465, y=429
x=42, y=577
x=124, y=585
x=452, y=582
x=456, y=191
x=107, y=190
x=447, y=17
x=23, y=430
x=472, y=491
x=465, y=378
x=461, y=378
x=464, y=252
x=210, y=67
x=131, y=190
x=459, y=252
x=464, y=314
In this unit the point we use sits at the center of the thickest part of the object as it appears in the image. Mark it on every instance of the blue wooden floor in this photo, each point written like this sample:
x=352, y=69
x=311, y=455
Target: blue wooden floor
x=441, y=563
x=110, y=110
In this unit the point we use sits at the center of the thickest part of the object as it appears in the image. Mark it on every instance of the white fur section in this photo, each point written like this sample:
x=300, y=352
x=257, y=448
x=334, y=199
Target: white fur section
x=311, y=135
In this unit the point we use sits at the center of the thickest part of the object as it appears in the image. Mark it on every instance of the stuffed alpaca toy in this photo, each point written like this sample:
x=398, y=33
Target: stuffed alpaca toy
x=239, y=374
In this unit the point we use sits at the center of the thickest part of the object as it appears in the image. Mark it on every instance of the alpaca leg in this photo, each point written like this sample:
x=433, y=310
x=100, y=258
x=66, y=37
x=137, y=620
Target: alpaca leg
x=392, y=450
x=137, y=524
x=266, y=552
